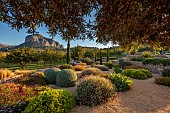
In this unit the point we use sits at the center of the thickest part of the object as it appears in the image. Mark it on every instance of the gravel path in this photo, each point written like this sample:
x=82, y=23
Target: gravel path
x=144, y=97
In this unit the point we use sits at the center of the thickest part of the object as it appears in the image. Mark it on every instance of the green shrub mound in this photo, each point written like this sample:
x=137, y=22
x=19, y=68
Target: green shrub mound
x=66, y=66
x=66, y=78
x=51, y=74
x=137, y=73
x=127, y=63
x=163, y=81
x=148, y=73
x=137, y=58
x=118, y=70
x=102, y=67
x=146, y=54
x=166, y=72
x=127, y=72
x=109, y=65
x=122, y=83
x=94, y=91
x=51, y=101
x=92, y=71
x=88, y=61
x=35, y=79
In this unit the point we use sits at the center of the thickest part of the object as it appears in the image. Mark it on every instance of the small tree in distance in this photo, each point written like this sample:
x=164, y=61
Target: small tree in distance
x=20, y=56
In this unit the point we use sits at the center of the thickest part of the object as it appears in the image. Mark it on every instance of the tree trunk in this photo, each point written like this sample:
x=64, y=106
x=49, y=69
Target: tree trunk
x=68, y=52
x=101, y=58
x=95, y=57
x=107, y=55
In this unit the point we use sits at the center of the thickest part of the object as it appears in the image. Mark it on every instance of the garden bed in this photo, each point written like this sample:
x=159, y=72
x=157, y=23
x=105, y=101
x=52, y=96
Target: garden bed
x=145, y=96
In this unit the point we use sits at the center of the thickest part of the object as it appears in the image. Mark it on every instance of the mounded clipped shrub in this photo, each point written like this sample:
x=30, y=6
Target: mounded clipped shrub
x=66, y=66
x=51, y=101
x=102, y=67
x=166, y=72
x=163, y=81
x=38, y=78
x=94, y=91
x=137, y=73
x=92, y=71
x=148, y=73
x=118, y=70
x=109, y=65
x=51, y=74
x=66, y=78
x=88, y=61
x=79, y=67
x=127, y=72
x=122, y=83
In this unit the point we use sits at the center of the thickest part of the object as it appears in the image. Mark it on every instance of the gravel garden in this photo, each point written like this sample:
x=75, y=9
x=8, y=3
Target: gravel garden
x=131, y=87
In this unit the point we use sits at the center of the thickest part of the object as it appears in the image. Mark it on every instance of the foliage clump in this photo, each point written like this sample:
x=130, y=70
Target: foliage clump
x=157, y=61
x=109, y=65
x=88, y=61
x=163, y=81
x=11, y=93
x=35, y=79
x=92, y=71
x=102, y=67
x=94, y=91
x=24, y=72
x=51, y=101
x=146, y=54
x=122, y=83
x=66, y=78
x=66, y=66
x=118, y=70
x=51, y=74
x=4, y=73
x=137, y=73
x=79, y=67
x=166, y=72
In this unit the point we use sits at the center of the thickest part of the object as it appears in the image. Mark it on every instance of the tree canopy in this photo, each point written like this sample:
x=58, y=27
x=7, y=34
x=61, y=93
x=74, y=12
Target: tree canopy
x=126, y=22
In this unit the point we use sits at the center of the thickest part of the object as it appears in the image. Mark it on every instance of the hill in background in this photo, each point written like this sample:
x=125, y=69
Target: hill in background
x=35, y=41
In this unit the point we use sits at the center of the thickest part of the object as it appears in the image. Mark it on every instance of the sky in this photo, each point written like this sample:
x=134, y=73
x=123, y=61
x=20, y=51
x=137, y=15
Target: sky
x=13, y=37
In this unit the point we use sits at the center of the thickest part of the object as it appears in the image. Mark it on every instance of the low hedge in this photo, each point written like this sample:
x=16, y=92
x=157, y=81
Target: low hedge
x=157, y=61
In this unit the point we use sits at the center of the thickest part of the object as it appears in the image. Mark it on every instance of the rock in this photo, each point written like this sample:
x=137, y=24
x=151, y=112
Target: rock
x=38, y=40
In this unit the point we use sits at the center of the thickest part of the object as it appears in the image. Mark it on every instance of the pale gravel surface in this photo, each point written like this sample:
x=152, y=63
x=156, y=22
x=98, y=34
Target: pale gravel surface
x=144, y=97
